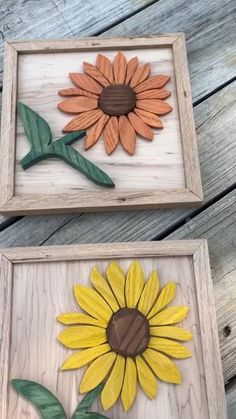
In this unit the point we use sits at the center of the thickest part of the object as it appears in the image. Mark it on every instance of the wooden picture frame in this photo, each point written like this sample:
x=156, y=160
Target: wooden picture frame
x=15, y=198
x=31, y=292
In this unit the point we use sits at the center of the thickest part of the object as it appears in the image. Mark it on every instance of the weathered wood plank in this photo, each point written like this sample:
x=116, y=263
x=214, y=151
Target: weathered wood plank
x=214, y=118
x=231, y=398
x=61, y=18
x=211, y=57
x=218, y=224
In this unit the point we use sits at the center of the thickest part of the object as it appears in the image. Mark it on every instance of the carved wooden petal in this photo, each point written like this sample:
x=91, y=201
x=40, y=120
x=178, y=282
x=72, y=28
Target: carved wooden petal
x=119, y=68
x=154, y=94
x=104, y=65
x=93, y=72
x=140, y=127
x=127, y=134
x=154, y=105
x=111, y=134
x=154, y=82
x=86, y=82
x=78, y=104
x=83, y=121
x=140, y=74
x=74, y=91
x=149, y=118
x=95, y=132
x=131, y=67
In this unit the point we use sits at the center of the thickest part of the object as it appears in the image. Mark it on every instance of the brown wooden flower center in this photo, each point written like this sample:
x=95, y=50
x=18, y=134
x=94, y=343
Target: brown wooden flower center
x=117, y=99
x=128, y=332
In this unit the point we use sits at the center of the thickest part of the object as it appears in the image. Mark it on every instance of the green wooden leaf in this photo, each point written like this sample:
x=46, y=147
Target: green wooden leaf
x=88, y=415
x=82, y=409
x=42, y=147
x=36, y=128
x=42, y=399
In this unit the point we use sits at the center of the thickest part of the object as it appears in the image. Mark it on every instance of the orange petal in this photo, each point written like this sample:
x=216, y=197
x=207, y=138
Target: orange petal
x=140, y=74
x=154, y=94
x=154, y=82
x=105, y=67
x=154, y=105
x=149, y=118
x=93, y=72
x=127, y=134
x=119, y=68
x=111, y=134
x=140, y=127
x=131, y=67
x=86, y=82
x=74, y=91
x=95, y=132
x=83, y=121
x=78, y=104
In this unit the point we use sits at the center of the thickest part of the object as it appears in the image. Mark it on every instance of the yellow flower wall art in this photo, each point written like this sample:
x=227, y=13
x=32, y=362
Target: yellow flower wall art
x=127, y=334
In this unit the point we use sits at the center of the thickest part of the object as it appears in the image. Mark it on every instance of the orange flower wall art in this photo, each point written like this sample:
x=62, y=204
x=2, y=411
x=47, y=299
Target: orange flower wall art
x=118, y=99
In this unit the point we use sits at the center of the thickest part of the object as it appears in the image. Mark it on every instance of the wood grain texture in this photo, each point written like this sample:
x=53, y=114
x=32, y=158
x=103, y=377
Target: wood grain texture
x=6, y=276
x=171, y=402
x=187, y=124
x=7, y=148
x=211, y=57
x=32, y=20
x=165, y=187
x=209, y=335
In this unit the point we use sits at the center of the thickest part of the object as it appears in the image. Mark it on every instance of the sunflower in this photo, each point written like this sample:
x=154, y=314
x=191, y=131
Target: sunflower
x=119, y=99
x=127, y=336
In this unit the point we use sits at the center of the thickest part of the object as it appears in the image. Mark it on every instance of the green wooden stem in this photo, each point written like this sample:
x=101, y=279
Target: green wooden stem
x=40, y=136
x=70, y=156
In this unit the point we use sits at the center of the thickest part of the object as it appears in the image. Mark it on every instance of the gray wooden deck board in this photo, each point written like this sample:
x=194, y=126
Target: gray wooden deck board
x=231, y=399
x=210, y=28
x=61, y=18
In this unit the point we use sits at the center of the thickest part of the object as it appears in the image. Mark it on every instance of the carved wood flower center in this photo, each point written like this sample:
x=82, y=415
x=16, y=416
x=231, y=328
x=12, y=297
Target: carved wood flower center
x=128, y=332
x=117, y=99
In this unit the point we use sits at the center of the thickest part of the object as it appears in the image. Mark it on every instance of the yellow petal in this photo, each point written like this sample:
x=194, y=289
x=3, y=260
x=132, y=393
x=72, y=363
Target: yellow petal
x=116, y=279
x=149, y=293
x=77, y=337
x=103, y=288
x=166, y=296
x=112, y=388
x=169, y=347
x=134, y=284
x=170, y=315
x=89, y=300
x=80, y=318
x=146, y=378
x=97, y=371
x=129, y=385
x=172, y=332
x=79, y=359
x=163, y=367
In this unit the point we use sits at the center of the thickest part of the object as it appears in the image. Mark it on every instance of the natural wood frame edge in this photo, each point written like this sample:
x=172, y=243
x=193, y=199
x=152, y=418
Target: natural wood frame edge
x=191, y=195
